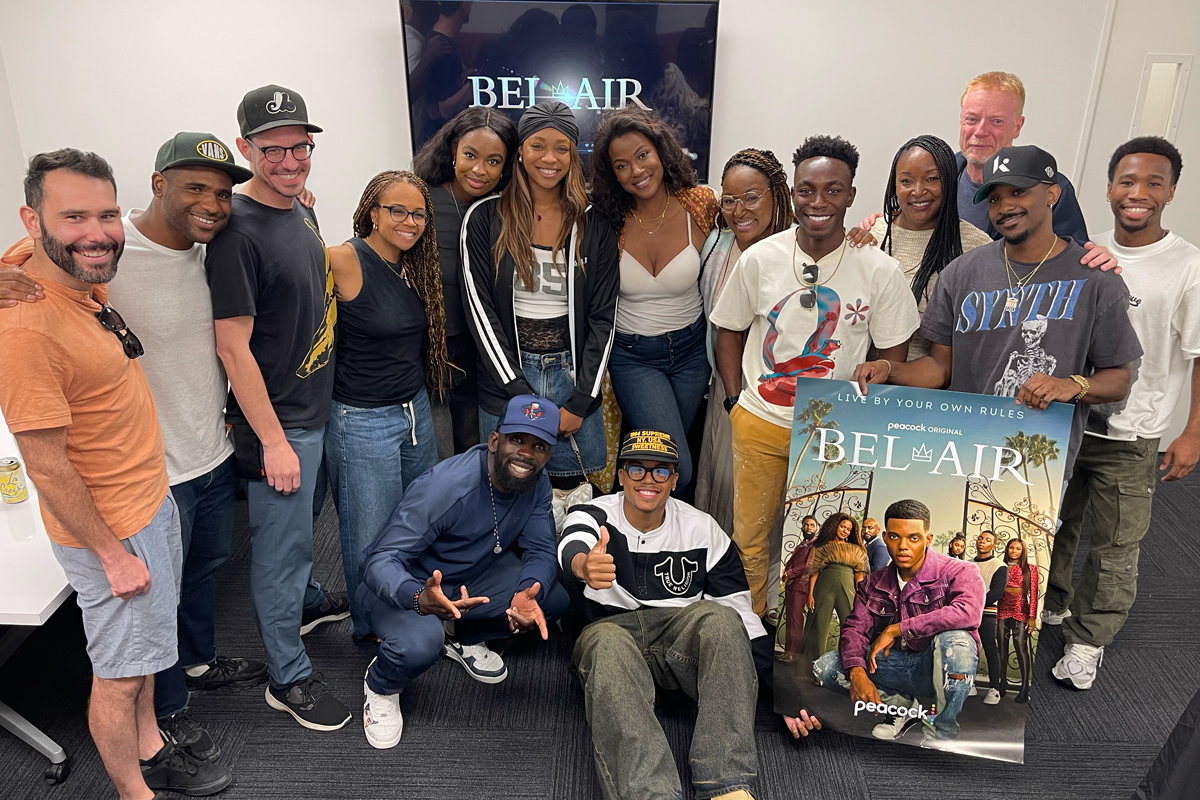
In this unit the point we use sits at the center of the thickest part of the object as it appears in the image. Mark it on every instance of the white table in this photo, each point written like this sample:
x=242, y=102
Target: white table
x=32, y=587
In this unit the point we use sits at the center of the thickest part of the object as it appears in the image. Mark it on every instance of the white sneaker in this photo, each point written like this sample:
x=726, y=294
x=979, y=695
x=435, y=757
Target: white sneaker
x=1078, y=666
x=894, y=729
x=973, y=691
x=482, y=664
x=930, y=742
x=1055, y=617
x=992, y=698
x=382, y=721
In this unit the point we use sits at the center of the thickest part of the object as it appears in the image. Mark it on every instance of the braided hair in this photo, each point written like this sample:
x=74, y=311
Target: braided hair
x=765, y=162
x=420, y=263
x=945, y=244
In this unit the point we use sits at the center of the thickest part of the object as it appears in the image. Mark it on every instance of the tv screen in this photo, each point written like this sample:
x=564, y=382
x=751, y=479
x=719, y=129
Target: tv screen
x=592, y=56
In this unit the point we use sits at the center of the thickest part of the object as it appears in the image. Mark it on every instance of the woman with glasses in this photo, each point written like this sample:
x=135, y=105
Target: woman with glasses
x=470, y=157
x=754, y=204
x=643, y=183
x=540, y=278
x=389, y=335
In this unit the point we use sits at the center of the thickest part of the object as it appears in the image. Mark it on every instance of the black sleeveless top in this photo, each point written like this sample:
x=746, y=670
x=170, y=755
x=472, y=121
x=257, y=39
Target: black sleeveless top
x=379, y=337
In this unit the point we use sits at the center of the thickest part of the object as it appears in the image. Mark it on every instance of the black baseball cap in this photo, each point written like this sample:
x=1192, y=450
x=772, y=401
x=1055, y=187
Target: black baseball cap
x=189, y=149
x=1023, y=167
x=270, y=107
x=650, y=446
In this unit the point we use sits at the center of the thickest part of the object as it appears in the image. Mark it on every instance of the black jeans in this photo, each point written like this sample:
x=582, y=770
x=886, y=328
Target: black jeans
x=1016, y=630
x=463, y=397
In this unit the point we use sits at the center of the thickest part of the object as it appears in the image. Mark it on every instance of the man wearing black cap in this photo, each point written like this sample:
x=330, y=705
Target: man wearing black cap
x=1020, y=317
x=667, y=603
x=272, y=299
x=458, y=524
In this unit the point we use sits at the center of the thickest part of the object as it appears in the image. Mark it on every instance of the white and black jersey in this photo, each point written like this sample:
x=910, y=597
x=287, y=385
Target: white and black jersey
x=687, y=558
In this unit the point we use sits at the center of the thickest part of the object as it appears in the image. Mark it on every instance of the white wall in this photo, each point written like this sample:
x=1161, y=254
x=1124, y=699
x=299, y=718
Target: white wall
x=12, y=165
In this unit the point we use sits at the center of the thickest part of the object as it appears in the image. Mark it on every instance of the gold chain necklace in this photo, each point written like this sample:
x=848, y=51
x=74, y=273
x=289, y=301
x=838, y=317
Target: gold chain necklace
x=801, y=281
x=1010, y=305
x=658, y=221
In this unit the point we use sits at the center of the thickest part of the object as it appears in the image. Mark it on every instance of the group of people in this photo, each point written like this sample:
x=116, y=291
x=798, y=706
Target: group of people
x=539, y=304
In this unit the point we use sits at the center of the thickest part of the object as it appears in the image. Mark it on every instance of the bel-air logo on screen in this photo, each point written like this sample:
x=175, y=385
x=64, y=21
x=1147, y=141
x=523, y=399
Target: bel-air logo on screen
x=519, y=92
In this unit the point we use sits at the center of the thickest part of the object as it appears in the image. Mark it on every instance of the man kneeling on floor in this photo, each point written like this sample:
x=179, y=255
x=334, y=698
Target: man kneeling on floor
x=667, y=603
x=458, y=523
x=928, y=648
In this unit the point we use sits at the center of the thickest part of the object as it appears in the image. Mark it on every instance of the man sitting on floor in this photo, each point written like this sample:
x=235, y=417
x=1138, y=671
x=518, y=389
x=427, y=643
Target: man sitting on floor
x=893, y=656
x=458, y=523
x=667, y=603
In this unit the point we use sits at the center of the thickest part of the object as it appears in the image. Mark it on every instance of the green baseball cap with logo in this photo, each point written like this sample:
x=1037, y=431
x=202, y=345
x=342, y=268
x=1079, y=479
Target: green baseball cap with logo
x=189, y=149
x=270, y=107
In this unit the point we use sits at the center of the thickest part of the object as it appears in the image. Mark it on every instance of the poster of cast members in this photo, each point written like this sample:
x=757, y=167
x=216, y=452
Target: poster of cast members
x=990, y=473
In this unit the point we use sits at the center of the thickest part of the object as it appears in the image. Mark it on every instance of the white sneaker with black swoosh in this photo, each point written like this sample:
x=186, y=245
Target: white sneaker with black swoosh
x=482, y=664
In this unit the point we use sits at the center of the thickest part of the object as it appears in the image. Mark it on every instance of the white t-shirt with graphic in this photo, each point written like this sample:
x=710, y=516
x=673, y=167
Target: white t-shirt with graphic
x=1164, y=308
x=548, y=299
x=866, y=299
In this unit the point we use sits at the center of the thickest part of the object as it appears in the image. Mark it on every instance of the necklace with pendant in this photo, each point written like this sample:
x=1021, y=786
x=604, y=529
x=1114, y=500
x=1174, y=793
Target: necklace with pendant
x=495, y=521
x=1010, y=305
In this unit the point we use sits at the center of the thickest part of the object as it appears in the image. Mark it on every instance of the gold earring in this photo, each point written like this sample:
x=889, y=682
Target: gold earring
x=375, y=227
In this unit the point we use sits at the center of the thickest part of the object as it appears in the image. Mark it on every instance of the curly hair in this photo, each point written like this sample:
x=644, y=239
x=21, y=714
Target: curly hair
x=434, y=162
x=1153, y=145
x=420, y=263
x=828, y=532
x=764, y=161
x=828, y=147
x=607, y=195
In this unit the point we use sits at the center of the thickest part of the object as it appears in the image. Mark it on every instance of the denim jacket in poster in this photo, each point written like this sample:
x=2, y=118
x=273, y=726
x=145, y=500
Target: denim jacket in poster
x=945, y=595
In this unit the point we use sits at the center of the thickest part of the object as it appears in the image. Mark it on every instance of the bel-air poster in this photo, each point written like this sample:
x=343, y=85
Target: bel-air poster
x=922, y=633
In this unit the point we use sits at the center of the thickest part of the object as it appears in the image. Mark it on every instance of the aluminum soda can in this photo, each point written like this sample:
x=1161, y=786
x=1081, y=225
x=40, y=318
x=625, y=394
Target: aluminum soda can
x=12, y=481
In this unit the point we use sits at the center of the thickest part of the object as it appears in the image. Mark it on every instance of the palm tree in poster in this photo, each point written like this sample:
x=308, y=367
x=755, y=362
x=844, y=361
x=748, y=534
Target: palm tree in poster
x=1043, y=451
x=813, y=416
x=1020, y=442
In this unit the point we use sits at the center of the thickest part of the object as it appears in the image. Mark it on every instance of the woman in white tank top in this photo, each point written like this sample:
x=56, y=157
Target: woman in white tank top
x=644, y=183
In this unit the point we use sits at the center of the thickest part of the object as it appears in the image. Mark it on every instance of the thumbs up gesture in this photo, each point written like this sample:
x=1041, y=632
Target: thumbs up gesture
x=596, y=567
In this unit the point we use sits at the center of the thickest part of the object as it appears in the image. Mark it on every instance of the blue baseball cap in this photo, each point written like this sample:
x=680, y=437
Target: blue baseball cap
x=528, y=413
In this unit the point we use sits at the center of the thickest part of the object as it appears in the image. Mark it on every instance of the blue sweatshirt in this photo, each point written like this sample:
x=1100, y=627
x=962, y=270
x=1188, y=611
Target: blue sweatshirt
x=445, y=522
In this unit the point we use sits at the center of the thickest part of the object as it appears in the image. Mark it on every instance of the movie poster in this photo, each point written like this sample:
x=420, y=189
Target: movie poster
x=990, y=473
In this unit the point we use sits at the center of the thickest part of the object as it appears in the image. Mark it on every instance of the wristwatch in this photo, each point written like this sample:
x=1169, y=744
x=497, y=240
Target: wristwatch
x=730, y=402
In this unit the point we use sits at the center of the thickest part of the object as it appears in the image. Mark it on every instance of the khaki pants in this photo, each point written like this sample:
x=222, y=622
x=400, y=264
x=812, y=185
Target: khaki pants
x=1116, y=481
x=760, y=462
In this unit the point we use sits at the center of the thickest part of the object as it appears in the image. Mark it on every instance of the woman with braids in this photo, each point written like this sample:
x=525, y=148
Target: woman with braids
x=1014, y=591
x=540, y=279
x=389, y=335
x=754, y=204
x=839, y=561
x=470, y=157
x=645, y=186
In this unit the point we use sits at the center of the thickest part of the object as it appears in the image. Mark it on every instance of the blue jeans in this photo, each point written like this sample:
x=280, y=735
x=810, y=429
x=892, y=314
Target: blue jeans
x=412, y=643
x=281, y=546
x=647, y=370
x=371, y=455
x=550, y=375
x=206, y=529
x=905, y=675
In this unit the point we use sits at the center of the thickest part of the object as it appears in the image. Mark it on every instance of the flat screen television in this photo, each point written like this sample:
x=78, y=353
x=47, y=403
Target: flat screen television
x=592, y=56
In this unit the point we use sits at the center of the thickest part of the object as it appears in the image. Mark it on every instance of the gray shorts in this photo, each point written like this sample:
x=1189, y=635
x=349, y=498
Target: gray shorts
x=130, y=638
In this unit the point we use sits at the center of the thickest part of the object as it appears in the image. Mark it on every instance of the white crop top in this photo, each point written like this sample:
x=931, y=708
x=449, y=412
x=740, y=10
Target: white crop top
x=651, y=305
x=549, y=298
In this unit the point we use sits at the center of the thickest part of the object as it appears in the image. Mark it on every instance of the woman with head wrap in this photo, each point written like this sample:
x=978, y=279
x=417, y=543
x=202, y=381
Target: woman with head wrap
x=540, y=285
x=643, y=183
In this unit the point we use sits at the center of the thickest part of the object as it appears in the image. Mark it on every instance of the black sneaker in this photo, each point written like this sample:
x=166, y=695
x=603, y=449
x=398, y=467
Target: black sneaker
x=228, y=672
x=176, y=770
x=182, y=732
x=311, y=705
x=335, y=606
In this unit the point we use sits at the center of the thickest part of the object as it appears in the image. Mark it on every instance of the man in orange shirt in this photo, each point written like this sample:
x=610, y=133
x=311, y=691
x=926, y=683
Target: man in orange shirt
x=78, y=404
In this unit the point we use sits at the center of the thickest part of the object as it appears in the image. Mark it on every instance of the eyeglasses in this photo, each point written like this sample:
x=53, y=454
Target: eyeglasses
x=659, y=474
x=810, y=272
x=400, y=213
x=275, y=155
x=113, y=323
x=749, y=201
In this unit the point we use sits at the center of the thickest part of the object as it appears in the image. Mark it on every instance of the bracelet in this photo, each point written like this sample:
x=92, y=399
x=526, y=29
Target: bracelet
x=1084, y=387
x=417, y=604
x=885, y=377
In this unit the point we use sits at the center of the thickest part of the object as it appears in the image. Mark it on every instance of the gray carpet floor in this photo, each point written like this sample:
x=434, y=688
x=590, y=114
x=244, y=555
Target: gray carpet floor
x=527, y=737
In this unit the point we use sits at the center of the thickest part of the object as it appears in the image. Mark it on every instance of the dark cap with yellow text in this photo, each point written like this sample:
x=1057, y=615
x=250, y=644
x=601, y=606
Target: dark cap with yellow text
x=649, y=446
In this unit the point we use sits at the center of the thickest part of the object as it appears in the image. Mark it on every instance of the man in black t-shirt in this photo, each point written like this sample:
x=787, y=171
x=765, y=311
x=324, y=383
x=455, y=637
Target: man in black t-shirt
x=272, y=296
x=1020, y=317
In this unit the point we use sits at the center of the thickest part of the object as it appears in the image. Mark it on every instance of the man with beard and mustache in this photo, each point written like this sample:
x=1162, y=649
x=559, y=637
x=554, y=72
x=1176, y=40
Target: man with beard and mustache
x=1115, y=473
x=1020, y=317
x=77, y=402
x=458, y=524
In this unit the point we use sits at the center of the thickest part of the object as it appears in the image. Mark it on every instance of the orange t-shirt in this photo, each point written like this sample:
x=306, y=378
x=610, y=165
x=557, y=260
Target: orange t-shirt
x=62, y=369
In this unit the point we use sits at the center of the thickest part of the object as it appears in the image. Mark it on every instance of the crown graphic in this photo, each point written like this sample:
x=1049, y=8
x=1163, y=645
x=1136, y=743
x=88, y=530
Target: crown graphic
x=922, y=453
x=558, y=91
